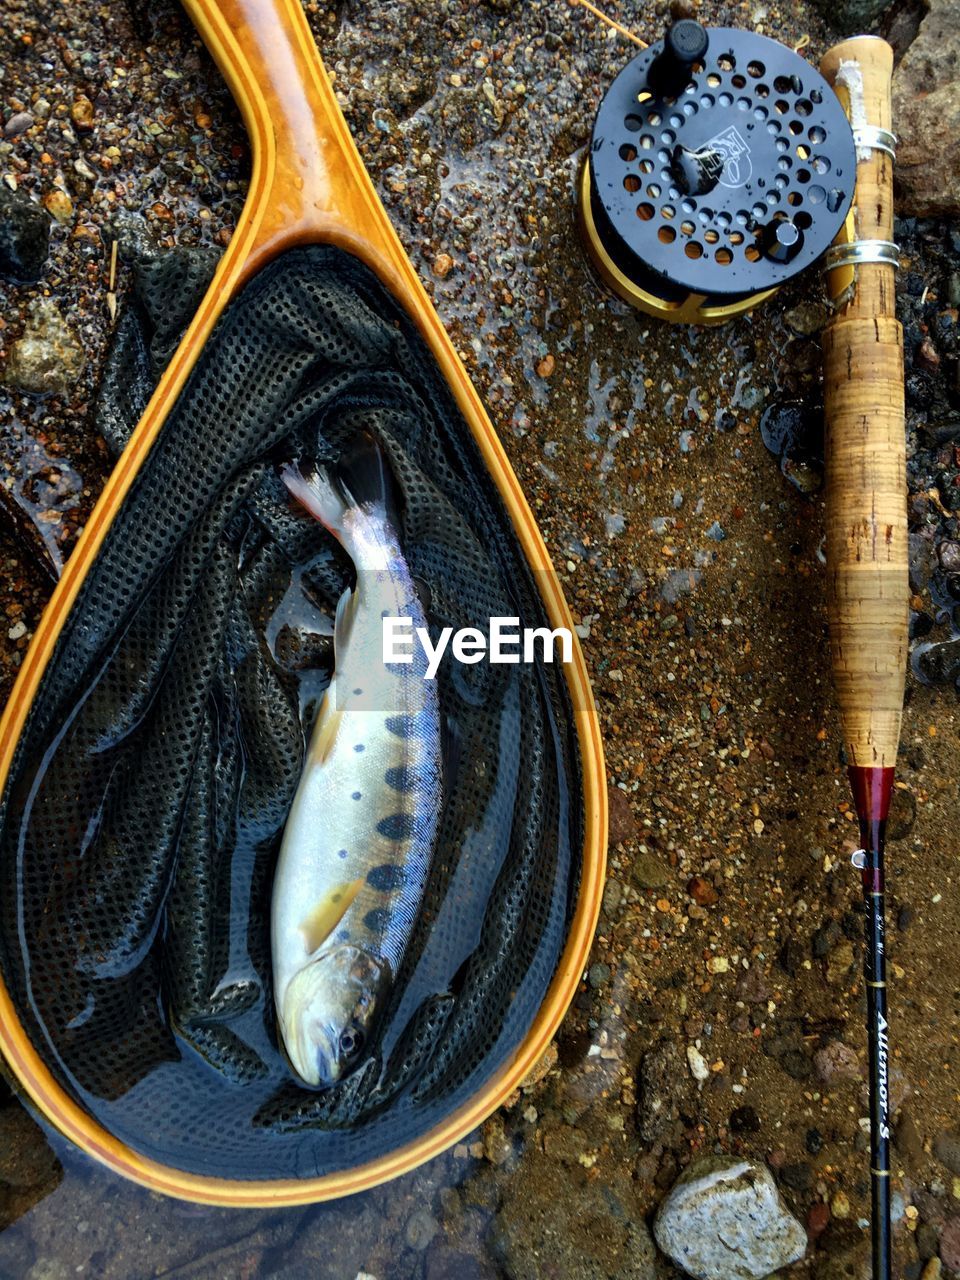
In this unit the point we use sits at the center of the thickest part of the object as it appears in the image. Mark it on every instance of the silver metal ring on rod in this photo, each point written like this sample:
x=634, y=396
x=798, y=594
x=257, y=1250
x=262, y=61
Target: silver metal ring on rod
x=872, y=137
x=857, y=252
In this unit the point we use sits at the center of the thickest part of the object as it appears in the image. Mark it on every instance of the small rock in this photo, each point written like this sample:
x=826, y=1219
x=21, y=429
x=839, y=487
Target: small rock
x=837, y=1061
x=24, y=237
x=950, y=1244
x=58, y=204
x=421, y=1227
x=744, y=1120
x=649, y=872
x=697, y=1064
x=702, y=892
x=598, y=975
x=724, y=1220
x=818, y=1219
x=612, y=896
x=932, y=1270
x=47, y=358
x=926, y=107
x=946, y=1147
x=18, y=123
x=81, y=113
x=546, y=366
x=840, y=1205
x=928, y=357
x=497, y=1147
x=807, y=318
x=442, y=265
x=622, y=820
x=17, y=631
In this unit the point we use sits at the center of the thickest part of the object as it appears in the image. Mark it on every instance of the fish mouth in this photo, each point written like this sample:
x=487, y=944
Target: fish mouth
x=313, y=1060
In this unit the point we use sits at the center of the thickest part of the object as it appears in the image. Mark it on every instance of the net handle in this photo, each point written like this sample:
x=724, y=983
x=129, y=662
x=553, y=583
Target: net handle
x=308, y=182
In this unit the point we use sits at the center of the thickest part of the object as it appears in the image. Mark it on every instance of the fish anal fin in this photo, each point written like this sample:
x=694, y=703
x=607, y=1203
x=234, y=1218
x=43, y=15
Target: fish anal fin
x=343, y=622
x=318, y=924
x=325, y=734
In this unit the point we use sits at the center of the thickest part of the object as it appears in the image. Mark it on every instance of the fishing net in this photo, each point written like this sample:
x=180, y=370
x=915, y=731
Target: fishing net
x=142, y=817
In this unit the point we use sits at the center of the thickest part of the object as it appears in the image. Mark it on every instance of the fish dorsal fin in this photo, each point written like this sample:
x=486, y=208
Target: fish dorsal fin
x=318, y=924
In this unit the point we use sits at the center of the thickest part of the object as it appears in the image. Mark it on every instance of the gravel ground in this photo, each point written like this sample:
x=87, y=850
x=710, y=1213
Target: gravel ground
x=691, y=557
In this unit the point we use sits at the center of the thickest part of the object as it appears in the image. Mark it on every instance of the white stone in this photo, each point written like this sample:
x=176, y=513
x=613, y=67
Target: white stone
x=724, y=1220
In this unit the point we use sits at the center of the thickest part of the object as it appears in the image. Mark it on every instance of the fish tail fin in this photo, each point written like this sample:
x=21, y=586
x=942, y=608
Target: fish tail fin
x=319, y=494
x=361, y=477
x=365, y=477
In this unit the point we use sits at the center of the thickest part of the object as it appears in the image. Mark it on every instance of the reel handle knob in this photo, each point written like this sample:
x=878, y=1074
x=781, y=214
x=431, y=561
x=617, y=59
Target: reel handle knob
x=684, y=44
x=781, y=240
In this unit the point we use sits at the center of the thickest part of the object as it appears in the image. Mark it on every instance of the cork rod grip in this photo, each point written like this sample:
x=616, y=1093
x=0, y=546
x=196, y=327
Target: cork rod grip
x=865, y=442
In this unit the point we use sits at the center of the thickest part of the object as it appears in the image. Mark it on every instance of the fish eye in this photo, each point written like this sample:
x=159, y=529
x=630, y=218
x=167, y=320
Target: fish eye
x=351, y=1042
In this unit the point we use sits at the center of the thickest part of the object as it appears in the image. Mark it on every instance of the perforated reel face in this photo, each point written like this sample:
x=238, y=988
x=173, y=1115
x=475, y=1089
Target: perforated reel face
x=782, y=152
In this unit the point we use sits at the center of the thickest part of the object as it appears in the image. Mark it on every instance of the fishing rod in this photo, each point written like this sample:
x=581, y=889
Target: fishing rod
x=867, y=535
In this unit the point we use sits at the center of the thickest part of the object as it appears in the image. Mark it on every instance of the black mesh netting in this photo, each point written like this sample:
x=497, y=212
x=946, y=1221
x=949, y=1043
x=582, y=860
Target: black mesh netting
x=142, y=817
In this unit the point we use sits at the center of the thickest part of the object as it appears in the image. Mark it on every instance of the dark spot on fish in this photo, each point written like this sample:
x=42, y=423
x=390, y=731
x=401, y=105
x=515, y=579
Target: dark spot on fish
x=342, y=853
x=399, y=826
x=356, y=795
x=357, y=693
x=343, y=935
x=376, y=920
x=359, y=747
x=387, y=878
x=401, y=726
x=399, y=778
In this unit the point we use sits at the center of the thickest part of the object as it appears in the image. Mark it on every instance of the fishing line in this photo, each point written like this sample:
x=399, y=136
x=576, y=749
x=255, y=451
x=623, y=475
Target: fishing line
x=611, y=22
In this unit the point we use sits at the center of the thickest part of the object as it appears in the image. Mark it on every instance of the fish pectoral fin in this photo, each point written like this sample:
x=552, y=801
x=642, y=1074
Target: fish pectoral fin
x=343, y=622
x=325, y=733
x=318, y=924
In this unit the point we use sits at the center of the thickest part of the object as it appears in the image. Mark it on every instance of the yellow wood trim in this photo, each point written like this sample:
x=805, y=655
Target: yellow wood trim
x=689, y=310
x=307, y=185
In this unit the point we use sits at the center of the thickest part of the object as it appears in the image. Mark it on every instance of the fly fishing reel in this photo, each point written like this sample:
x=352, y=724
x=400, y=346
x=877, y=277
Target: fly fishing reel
x=721, y=165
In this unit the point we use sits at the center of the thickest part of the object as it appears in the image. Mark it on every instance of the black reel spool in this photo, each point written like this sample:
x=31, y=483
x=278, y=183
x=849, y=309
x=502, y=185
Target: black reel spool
x=721, y=165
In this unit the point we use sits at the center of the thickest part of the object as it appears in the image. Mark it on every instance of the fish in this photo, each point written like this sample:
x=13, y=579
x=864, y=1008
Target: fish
x=359, y=838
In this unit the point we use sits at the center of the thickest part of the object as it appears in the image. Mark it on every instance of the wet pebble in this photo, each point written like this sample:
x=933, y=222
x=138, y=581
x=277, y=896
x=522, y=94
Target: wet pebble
x=24, y=237
x=18, y=123
x=47, y=358
x=420, y=1230
x=598, y=975
x=793, y=431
